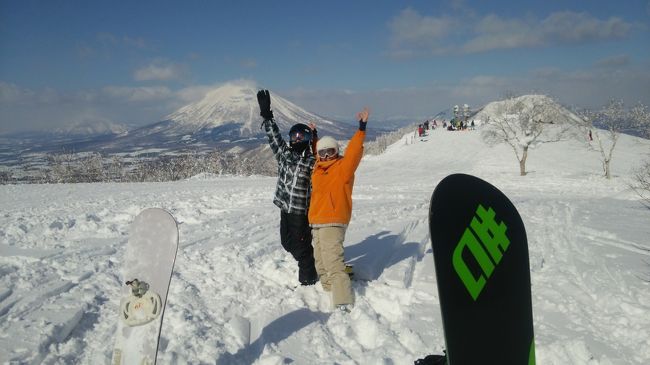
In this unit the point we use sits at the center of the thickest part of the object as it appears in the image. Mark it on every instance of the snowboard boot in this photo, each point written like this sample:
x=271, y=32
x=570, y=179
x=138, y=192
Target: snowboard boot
x=308, y=282
x=307, y=274
x=432, y=360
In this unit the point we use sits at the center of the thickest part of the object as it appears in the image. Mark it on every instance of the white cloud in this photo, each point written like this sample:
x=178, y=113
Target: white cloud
x=138, y=94
x=160, y=71
x=614, y=61
x=493, y=32
x=413, y=34
x=192, y=94
x=23, y=109
x=570, y=27
x=12, y=94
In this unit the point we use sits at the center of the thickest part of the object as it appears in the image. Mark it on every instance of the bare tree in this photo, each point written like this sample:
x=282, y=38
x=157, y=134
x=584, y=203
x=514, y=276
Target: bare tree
x=525, y=122
x=604, y=128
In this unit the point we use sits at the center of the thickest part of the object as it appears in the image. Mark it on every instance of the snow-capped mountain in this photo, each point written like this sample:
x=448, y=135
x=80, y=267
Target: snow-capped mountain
x=236, y=103
x=228, y=118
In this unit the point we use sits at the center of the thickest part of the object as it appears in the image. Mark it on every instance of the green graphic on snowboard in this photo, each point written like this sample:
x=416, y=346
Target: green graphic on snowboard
x=485, y=240
x=480, y=253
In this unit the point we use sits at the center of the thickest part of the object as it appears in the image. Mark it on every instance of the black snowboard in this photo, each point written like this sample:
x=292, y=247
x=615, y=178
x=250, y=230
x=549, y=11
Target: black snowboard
x=481, y=258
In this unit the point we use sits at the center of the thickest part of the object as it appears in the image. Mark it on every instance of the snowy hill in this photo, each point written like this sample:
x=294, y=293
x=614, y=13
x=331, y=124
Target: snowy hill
x=528, y=104
x=233, y=298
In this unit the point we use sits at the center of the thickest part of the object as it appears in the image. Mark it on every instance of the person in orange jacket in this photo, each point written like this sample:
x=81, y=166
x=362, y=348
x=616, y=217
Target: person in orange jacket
x=330, y=210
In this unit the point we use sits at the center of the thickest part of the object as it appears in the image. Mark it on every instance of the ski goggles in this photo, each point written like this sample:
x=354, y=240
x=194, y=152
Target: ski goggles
x=327, y=152
x=297, y=137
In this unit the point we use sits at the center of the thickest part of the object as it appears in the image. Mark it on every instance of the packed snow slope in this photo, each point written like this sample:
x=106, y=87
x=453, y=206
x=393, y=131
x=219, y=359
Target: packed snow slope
x=233, y=296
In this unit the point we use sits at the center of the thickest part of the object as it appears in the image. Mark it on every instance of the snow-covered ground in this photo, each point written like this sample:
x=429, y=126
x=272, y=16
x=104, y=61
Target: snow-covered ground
x=233, y=296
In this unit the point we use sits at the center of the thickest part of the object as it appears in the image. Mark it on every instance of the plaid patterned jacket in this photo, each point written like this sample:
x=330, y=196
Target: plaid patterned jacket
x=293, y=190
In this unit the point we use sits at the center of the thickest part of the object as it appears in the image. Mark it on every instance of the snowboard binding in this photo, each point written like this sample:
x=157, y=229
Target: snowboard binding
x=142, y=306
x=349, y=269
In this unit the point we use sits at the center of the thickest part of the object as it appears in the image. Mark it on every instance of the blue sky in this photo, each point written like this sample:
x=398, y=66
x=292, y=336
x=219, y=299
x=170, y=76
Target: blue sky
x=133, y=62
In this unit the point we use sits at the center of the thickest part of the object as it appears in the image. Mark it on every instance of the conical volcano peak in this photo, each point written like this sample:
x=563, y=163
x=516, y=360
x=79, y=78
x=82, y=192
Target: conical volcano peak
x=231, y=102
x=235, y=103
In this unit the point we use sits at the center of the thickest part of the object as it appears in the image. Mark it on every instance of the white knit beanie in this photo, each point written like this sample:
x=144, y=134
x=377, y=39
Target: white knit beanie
x=327, y=142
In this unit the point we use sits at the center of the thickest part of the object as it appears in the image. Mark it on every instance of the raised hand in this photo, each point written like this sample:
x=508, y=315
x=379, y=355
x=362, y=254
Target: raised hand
x=264, y=100
x=363, y=115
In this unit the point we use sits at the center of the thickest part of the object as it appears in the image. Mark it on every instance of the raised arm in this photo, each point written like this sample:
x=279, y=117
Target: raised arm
x=276, y=142
x=314, y=138
x=354, y=151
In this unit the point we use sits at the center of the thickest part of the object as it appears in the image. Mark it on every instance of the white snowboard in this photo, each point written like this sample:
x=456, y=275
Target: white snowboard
x=149, y=257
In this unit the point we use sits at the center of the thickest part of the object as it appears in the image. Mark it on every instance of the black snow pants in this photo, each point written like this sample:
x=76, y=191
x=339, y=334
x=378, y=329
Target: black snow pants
x=295, y=236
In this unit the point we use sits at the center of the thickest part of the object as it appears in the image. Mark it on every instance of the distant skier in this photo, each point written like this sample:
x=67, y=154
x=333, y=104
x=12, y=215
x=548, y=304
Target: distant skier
x=330, y=210
x=292, y=194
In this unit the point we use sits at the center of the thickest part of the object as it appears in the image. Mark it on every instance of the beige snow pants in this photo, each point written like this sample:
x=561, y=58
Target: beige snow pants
x=330, y=265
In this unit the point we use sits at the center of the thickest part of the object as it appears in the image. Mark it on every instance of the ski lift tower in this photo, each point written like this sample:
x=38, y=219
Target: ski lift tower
x=465, y=112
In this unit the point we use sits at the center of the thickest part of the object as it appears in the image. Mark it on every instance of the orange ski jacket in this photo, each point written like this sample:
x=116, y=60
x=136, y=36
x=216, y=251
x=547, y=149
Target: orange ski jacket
x=332, y=183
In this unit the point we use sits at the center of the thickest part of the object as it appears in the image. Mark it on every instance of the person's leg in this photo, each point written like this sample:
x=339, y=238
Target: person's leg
x=302, y=249
x=296, y=239
x=331, y=251
x=318, y=257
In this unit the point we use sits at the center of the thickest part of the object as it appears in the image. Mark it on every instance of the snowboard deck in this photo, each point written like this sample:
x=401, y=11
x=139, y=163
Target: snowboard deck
x=482, y=269
x=147, y=266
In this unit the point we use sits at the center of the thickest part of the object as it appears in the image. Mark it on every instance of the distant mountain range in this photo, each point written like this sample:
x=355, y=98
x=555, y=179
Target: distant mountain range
x=226, y=118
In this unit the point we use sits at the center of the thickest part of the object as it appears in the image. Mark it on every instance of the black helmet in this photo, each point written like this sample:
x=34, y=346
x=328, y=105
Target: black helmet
x=300, y=136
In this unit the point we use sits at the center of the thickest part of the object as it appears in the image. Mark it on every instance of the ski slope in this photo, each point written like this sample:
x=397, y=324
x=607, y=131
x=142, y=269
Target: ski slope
x=233, y=296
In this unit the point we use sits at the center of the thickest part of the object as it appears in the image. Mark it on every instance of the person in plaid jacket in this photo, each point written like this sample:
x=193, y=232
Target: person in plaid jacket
x=293, y=190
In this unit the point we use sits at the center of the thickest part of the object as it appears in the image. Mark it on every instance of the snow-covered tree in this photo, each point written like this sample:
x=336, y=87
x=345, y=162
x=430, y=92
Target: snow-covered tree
x=5, y=177
x=90, y=168
x=381, y=143
x=604, y=128
x=642, y=183
x=640, y=118
x=116, y=169
x=60, y=167
x=523, y=123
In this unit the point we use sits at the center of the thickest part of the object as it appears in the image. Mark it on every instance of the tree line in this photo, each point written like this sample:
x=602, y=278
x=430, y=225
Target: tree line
x=90, y=167
x=70, y=167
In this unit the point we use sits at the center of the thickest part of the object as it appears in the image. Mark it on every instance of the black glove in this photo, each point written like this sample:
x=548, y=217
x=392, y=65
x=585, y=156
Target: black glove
x=362, y=125
x=264, y=100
